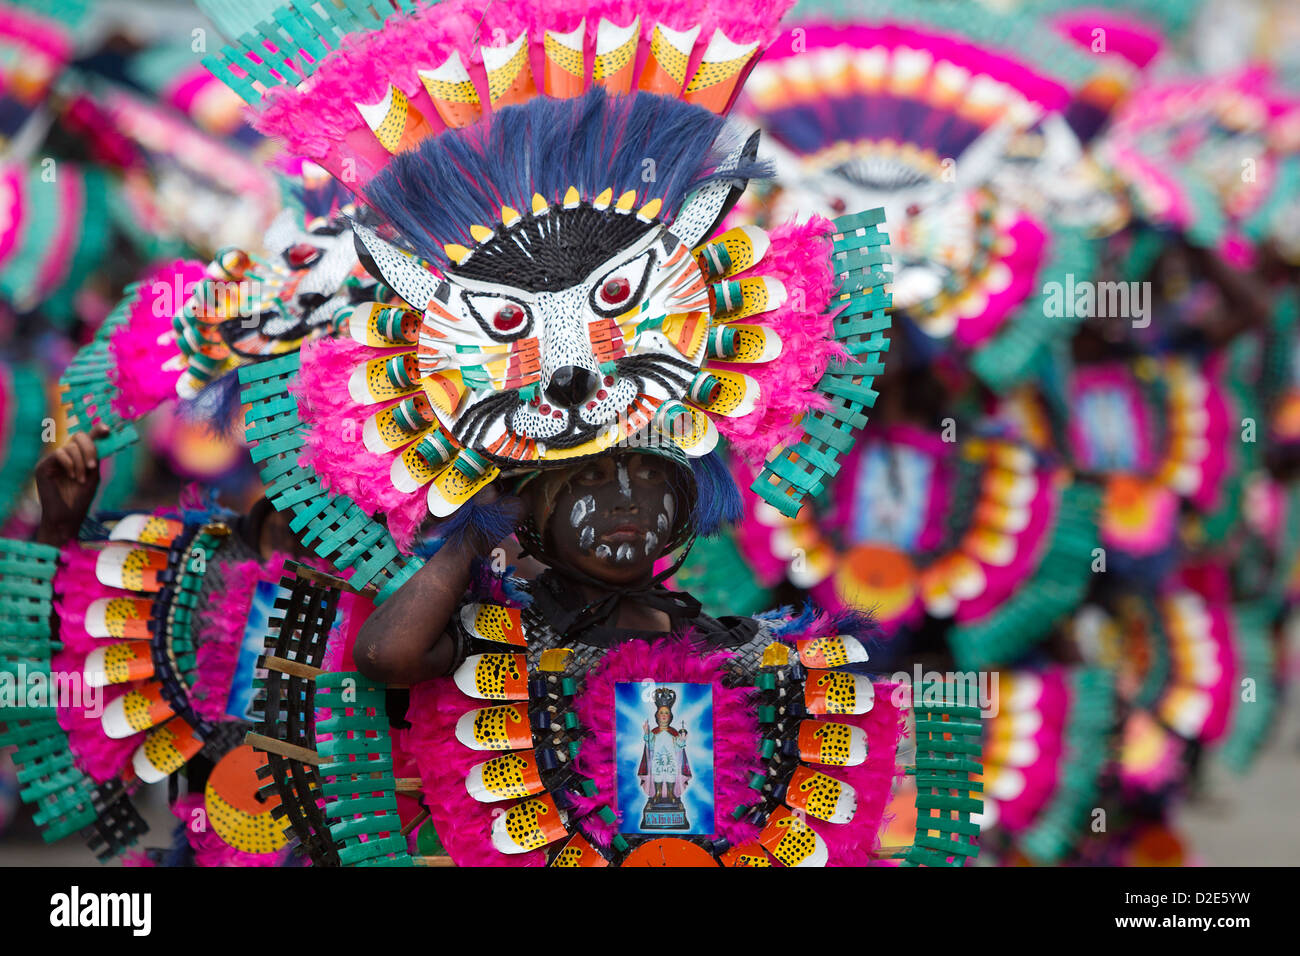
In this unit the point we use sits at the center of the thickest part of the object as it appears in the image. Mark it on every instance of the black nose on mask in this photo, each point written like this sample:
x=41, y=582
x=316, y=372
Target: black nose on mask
x=309, y=302
x=571, y=385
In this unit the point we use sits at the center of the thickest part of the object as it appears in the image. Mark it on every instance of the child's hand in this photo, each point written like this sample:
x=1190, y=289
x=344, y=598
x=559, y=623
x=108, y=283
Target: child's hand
x=66, y=481
x=492, y=496
x=486, y=535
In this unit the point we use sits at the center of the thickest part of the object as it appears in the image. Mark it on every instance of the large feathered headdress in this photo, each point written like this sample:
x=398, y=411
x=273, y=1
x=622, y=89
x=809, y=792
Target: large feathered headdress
x=547, y=178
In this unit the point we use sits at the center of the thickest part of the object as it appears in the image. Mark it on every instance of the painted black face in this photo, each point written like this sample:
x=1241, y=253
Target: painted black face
x=613, y=517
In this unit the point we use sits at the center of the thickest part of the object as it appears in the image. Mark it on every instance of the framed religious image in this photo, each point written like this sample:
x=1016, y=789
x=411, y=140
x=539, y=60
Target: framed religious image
x=664, y=754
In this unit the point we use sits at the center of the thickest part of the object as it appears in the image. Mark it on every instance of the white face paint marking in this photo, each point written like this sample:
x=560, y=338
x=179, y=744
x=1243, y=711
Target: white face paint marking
x=670, y=505
x=662, y=523
x=651, y=541
x=581, y=508
x=603, y=551
x=587, y=537
x=624, y=480
x=625, y=552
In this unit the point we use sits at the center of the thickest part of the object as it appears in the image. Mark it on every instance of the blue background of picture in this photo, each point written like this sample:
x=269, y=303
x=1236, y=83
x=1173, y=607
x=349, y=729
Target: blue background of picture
x=239, y=703
x=632, y=707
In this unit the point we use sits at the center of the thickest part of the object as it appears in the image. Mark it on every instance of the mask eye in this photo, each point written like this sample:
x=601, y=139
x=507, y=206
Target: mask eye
x=301, y=256
x=509, y=318
x=501, y=318
x=619, y=289
x=614, y=291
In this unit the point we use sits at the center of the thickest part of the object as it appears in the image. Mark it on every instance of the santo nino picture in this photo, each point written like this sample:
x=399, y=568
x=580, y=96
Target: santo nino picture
x=665, y=757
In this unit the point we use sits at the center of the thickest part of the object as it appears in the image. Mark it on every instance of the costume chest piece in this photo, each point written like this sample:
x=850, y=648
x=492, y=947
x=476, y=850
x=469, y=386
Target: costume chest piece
x=658, y=752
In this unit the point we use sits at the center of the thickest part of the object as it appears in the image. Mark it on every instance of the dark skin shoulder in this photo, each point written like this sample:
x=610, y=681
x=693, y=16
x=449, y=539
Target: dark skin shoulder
x=607, y=518
x=405, y=640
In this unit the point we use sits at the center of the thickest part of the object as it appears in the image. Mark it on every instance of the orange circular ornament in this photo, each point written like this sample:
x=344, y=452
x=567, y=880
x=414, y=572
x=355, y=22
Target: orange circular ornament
x=669, y=852
x=1157, y=845
x=234, y=811
x=879, y=577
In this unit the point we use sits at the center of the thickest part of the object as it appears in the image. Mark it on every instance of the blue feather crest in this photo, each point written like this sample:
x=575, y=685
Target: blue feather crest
x=717, y=499
x=491, y=522
x=216, y=406
x=656, y=146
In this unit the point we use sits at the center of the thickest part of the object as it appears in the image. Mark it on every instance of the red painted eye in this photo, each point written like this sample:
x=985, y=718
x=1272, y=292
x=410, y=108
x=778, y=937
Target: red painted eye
x=615, y=291
x=913, y=211
x=301, y=256
x=508, y=318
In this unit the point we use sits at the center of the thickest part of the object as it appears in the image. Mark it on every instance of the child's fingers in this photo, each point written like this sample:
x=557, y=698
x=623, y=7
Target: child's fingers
x=77, y=461
x=89, y=454
x=64, y=461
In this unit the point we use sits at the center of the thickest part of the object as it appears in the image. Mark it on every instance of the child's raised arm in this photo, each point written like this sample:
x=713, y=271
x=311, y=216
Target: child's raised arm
x=406, y=640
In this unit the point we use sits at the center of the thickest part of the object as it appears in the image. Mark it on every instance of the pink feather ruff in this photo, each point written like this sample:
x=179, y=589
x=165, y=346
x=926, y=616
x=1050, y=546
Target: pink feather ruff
x=209, y=848
x=463, y=824
x=799, y=256
x=1134, y=40
x=334, y=425
x=1017, y=813
x=93, y=751
x=319, y=119
x=139, y=373
x=1023, y=247
x=75, y=588
x=220, y=632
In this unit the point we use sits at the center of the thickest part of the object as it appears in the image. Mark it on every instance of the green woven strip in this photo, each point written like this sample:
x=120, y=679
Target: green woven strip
x=948, y=754
x=1057, y=586
x=299, y=26
x=88, y=391
x=1086, y=752
x=357, y=771
x=1169, y=15
x=1252, y=720
x=334, y=526
x=1008, y=359
x=802, y=468
x=26, y=384
x=1157, y=675
x=202, y=550
x=61, y=794
x=92, y=245
x=1025, y=38
x=720, y=579
x=1279, y=587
